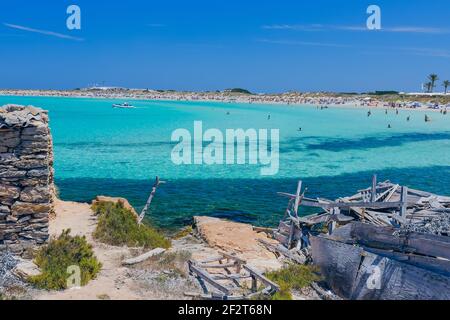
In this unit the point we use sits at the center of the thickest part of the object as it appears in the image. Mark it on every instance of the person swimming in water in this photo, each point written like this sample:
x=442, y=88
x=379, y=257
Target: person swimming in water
x=409, y=118
x=389, y=126
x=268, y=117
x=369, y=113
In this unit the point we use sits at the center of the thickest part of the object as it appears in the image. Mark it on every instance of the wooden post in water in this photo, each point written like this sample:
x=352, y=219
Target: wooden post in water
x=149, y=201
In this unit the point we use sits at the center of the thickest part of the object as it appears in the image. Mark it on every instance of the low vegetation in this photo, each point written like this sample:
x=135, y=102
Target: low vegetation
x=183, y=233
x=61, y=253
x=293, y=277
x=118, y=226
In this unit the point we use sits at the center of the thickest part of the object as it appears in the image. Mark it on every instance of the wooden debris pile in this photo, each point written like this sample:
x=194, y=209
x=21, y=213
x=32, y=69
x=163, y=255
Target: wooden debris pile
x=227, y=277
x=385, y=242
x=384, y=204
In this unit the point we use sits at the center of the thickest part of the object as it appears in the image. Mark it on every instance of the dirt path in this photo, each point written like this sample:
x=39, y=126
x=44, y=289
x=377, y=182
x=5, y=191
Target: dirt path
x=144, y=282
x=112, y=282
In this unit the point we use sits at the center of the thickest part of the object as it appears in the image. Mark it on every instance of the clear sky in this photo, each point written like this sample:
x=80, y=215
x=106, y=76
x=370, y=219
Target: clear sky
x=264, y=46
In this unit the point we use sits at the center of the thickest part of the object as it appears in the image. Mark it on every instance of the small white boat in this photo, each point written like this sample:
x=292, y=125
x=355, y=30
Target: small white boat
x=124, y=105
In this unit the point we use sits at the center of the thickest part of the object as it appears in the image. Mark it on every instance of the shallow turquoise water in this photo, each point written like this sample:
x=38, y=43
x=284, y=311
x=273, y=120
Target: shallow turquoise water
x=101, y=150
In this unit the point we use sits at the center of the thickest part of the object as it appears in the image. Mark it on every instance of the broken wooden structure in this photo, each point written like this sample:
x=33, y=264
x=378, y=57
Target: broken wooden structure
x=385, y=242
x=383, y=204
x=364, y=262
x=227, y=277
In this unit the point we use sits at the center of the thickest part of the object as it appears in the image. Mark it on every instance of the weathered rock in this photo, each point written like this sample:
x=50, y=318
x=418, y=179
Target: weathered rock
x=9, y=191
x=38, y=173
x=239, y=239
x=28, y=164
x=12, y=173
x=10, y=143
x=34, y=145
x=37, y=130
x=26, y=177
x=25, y=269
x=35, y=195
x=24, y=208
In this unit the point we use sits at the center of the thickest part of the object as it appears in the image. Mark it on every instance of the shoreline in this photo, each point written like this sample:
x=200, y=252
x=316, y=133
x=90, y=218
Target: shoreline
x=322, y=101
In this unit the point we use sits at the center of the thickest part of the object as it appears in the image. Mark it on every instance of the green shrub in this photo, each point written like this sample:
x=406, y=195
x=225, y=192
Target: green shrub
x=183, y=233
x=284, y=294
x=293, y=277
x=61, y=253
x=118, y=226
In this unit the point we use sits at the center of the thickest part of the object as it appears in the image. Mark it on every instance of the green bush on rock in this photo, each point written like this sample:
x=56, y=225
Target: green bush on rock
x=118, y=226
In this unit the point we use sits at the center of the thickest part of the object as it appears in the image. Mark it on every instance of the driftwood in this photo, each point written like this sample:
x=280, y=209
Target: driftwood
x=297, y=257
x=158, y=182
x=144, y=257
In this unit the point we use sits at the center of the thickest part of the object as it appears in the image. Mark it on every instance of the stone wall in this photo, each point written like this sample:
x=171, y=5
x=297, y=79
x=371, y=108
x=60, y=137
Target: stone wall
x=26, y=178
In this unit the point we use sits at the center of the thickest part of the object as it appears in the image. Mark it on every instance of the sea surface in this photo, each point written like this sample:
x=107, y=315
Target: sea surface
x=119, y=152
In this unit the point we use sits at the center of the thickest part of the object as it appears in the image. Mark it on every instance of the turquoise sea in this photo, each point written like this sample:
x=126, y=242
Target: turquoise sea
x=118, y=152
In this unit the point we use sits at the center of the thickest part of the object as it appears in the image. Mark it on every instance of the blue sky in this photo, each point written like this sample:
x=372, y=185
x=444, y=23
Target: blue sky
x=265, y=46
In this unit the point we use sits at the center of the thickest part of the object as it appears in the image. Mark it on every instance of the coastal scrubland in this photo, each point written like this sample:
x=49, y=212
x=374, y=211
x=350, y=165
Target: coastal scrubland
x=55, y=258
x=118, y=226
x=293, y=277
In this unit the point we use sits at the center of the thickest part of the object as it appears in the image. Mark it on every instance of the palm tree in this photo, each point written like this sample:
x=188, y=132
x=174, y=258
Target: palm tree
x=433, y=78
x=427, y=86
x=446, y=84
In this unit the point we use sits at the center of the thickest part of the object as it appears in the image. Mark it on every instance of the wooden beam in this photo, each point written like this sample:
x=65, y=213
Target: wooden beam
x=373, y=196
x=383, y=238
x=404, y=201
x=206, y=277
x=297, y=198
x=261, y=278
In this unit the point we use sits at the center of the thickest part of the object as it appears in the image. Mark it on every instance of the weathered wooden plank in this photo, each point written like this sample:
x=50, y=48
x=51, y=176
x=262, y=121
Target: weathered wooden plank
x=281, y=238
x=230, y=277
x=381, y=278
x=261, y=278
x=284, y=228
x=338, y=263
x=233, y=257
x=404, y=201
x=218, y=266
x=383, y=238
x=279, y=249
x=144, y=257
x=206, y=277
x=354, y=273
x=373, y=194
x=429, y=263
x=297, y=198
x=341, y=205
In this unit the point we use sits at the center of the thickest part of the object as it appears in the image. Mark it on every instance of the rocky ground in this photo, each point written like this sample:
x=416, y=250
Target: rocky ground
x=162, y=277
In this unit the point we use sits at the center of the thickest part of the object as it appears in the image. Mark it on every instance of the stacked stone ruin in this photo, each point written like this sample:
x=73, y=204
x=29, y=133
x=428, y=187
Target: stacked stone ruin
x=26, y=178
